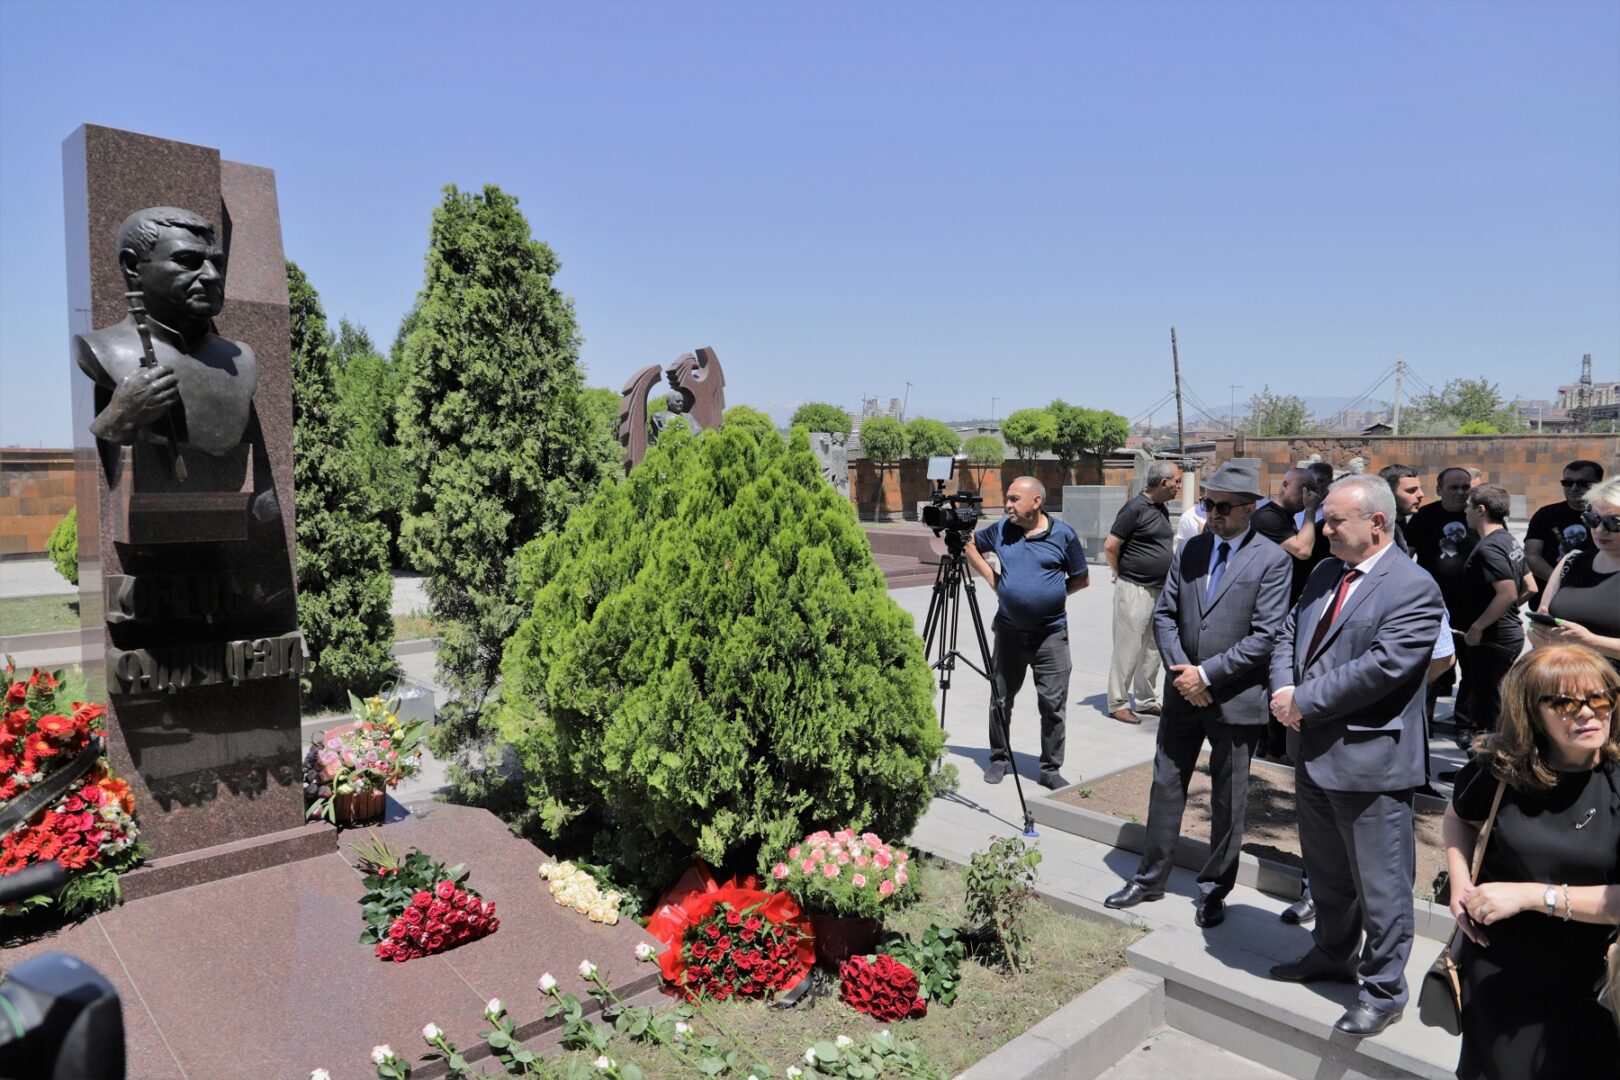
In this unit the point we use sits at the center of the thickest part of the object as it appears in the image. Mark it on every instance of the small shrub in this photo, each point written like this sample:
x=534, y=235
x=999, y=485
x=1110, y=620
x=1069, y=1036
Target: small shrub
x=63, y=546
x=1000, y=886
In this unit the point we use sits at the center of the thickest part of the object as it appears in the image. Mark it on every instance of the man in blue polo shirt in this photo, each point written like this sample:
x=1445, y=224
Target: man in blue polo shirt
x=1042, y=562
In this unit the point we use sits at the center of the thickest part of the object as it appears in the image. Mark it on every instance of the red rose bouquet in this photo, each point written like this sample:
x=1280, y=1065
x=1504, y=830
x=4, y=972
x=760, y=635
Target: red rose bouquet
x=59, y=799
x=881, y=987
x=416, y=906
x=732, y=940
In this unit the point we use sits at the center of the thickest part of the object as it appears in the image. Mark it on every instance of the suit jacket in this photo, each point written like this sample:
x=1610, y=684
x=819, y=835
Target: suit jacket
x=1361, y=695
x=1232, y=631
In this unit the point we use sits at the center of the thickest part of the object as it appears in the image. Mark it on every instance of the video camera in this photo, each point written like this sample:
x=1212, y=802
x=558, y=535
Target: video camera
x=954, y=513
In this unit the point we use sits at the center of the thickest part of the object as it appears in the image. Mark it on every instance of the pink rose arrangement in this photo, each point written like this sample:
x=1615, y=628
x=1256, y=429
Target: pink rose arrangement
x=845, y=873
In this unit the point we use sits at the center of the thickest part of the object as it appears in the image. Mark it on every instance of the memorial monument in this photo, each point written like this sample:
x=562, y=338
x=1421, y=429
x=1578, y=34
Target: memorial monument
x=699, y=387
x=183, y=429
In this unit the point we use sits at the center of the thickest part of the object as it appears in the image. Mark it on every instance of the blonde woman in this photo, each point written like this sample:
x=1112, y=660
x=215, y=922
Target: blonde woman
x=1539, y=918
x=1583, y=594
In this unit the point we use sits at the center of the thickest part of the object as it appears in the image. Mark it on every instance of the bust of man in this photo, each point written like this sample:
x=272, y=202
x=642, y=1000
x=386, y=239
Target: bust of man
x=201, y=383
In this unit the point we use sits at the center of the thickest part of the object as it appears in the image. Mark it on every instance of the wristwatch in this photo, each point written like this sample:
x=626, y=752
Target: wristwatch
x=1550, y=898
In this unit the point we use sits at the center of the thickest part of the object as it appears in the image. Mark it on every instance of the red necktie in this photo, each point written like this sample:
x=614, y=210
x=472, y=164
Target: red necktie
x=1322, y=624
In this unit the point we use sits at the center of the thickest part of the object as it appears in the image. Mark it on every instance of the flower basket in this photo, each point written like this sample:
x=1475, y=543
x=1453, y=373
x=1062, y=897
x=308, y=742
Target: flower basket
x=840, y=937
x=843, y=873
x=359, y=808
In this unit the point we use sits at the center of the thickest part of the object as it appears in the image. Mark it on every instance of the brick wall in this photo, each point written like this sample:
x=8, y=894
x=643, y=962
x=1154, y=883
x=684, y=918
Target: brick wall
x=36, y=489
x=1528, y=465
x=906, y=484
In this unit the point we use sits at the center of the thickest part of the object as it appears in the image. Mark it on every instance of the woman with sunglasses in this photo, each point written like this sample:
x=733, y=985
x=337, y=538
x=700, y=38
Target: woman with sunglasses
x=1539, y=919
x=1583, y=594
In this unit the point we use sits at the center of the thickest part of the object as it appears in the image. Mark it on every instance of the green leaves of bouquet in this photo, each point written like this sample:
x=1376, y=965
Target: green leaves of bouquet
x=936, y=957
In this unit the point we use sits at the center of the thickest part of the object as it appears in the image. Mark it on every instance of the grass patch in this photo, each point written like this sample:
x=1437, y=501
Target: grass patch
x=418, y=624
x=38, y=614
x=1070, y=956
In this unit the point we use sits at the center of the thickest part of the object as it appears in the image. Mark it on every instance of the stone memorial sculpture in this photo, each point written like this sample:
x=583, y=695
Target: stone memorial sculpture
x=833, y=456
x=699, y=397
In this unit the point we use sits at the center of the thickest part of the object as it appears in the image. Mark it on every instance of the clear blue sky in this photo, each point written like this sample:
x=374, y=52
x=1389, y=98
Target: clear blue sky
x=1010, y=201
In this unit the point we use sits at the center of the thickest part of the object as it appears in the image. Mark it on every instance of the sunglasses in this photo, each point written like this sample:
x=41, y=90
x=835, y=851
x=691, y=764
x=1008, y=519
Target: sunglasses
x=1577, y=483
x=1608, y=522
x=1223, y=508
x=1569, y=707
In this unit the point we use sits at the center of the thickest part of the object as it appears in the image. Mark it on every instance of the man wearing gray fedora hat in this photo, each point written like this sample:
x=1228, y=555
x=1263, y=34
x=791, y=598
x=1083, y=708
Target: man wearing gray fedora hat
x=1216, y=622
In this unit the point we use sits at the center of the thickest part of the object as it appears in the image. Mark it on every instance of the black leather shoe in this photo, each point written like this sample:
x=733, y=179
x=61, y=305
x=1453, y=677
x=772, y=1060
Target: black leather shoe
x=1148, y=710
x=995, y=772
x=1312, y=967
x=1052, y=780
x=1209, y=911
x=1362, y=1019
x=1130, y=896
x=1429, y=790
x=1302, y=910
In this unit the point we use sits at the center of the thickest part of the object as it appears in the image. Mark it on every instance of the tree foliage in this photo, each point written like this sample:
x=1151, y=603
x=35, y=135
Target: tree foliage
x=984, y=450
x=1030, y=433
x=63, y=546
x=368, y=386
x=820, y=416
x=927, y=438
x=1463, y=402
x=344, y=591
x=1279, y=414
x=711, y=664
x=491, y=421
x=883, y=440
x=1078, y=431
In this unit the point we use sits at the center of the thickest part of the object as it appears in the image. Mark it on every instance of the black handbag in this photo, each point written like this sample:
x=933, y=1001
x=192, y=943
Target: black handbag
x=1440, y=1001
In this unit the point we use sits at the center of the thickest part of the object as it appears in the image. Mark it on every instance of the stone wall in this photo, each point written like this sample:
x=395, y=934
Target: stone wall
x=906, y=484
x=1528, y=465
x=36, y=489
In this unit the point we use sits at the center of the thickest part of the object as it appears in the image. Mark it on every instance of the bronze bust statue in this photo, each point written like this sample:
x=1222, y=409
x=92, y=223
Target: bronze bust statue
x=172, y=379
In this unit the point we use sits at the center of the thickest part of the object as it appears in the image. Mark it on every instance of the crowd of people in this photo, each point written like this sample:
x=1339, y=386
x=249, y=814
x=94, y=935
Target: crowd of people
x=1319, y=628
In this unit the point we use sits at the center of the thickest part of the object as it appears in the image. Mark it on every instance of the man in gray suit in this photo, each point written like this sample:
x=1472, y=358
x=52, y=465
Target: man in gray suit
x=1349, y=670
x=1216, y=623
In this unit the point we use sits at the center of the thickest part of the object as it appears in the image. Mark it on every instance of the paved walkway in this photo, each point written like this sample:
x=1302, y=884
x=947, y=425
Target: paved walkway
x=1168, y=1054
x=32, y=577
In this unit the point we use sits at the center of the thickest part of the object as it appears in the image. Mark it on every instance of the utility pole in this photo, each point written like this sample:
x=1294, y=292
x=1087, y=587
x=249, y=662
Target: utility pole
x=993, y=409
x=1583, y=413
x=905, y=402
x=1181, y=430
x=1400, y=377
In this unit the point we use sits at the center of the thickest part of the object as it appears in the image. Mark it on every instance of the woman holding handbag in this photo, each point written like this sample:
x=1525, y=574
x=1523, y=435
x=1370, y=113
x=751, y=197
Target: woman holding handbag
x=1537, y=918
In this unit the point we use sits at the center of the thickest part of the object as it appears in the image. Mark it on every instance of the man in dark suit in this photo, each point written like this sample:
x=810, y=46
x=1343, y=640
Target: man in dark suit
x=1215, y=623
x=1349, y=670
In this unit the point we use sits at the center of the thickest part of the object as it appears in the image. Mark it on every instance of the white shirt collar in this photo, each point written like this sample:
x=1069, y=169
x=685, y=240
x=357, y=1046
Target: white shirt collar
x=1366, y=565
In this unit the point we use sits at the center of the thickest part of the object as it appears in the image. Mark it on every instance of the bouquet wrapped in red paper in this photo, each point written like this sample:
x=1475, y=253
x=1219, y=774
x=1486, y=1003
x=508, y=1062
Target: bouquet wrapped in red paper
x=732, y=940
x=59, y=799
x=416, y=906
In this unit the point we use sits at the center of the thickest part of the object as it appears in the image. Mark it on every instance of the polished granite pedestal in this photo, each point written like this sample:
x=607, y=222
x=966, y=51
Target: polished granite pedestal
x=261, y=974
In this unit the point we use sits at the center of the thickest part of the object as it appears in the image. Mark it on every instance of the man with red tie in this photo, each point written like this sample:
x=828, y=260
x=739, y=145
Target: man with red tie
x=1347, y=676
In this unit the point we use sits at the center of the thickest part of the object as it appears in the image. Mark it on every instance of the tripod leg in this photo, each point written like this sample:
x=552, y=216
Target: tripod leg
x=936, y=606
x=998, y=706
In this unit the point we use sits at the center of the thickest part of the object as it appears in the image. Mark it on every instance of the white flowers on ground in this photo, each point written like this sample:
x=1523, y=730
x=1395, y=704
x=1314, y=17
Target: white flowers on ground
x=547, y=983
x=682, y=1027
x=794, y=1072
x=603, y=1063
x=586, y=969
x=381, y=1054
x=319, y=1074
x=431, y=1032
x=810, y=1056
x=574, y=888
x=843, y=1041
x=644, y=951
x=494, y=1008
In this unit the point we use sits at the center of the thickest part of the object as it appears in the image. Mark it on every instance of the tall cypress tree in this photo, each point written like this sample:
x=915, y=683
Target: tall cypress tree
x=491, y=420
x=344, y=591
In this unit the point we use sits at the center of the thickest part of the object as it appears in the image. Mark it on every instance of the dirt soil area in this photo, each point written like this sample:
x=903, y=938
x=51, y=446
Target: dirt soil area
x=1269, y=830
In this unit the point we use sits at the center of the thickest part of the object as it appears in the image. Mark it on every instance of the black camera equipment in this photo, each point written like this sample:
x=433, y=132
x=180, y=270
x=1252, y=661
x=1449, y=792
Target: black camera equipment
x=952, y=517
x=60, y=1019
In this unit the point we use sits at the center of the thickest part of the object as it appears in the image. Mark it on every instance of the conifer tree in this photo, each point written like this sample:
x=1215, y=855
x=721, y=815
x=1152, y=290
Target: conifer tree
x=344, y=591
x=491, y=423
x=711, y=663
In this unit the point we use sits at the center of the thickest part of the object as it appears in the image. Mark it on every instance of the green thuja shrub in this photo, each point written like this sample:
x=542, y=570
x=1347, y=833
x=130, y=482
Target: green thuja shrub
x=63, y=546
x=711, y=663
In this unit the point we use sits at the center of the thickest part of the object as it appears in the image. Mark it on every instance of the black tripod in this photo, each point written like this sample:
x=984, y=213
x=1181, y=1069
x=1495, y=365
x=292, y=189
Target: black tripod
x=940, y=629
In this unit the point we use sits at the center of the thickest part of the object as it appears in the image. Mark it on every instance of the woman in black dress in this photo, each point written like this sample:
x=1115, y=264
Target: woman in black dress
x=1583, y=593
x=1539, y=919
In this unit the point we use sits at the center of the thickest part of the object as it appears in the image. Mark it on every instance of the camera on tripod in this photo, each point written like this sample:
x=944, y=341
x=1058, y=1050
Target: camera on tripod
x=954, y=513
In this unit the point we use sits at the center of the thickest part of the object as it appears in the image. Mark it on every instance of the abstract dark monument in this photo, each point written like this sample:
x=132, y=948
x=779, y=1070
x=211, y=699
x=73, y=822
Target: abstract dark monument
x=236, y=952
x=699, y=387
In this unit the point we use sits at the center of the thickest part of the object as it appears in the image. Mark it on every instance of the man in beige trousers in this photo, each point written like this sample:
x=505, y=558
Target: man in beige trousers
x=1138, y=551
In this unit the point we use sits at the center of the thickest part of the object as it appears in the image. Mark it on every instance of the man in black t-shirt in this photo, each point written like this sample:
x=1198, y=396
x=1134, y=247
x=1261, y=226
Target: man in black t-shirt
x=1408, y=491
x=1440, y=538
x=1138, y=553
x=1556, y=529
x=1495, y=580
x=1301, y=494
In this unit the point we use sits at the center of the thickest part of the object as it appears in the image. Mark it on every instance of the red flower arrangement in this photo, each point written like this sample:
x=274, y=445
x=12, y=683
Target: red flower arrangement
x=881, y=987
x=732, y=940
x=416, y=907
x=90, y=827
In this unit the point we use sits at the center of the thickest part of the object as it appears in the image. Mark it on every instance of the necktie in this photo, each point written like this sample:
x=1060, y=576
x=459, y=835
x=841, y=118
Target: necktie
x=1331, y=612
x=1219, y=568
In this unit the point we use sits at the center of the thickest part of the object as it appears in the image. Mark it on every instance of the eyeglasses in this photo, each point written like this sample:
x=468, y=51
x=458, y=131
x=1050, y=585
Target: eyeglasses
x=1569, y=707
x=1223, y=508
x=1608, y=522
x=1577, y=483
